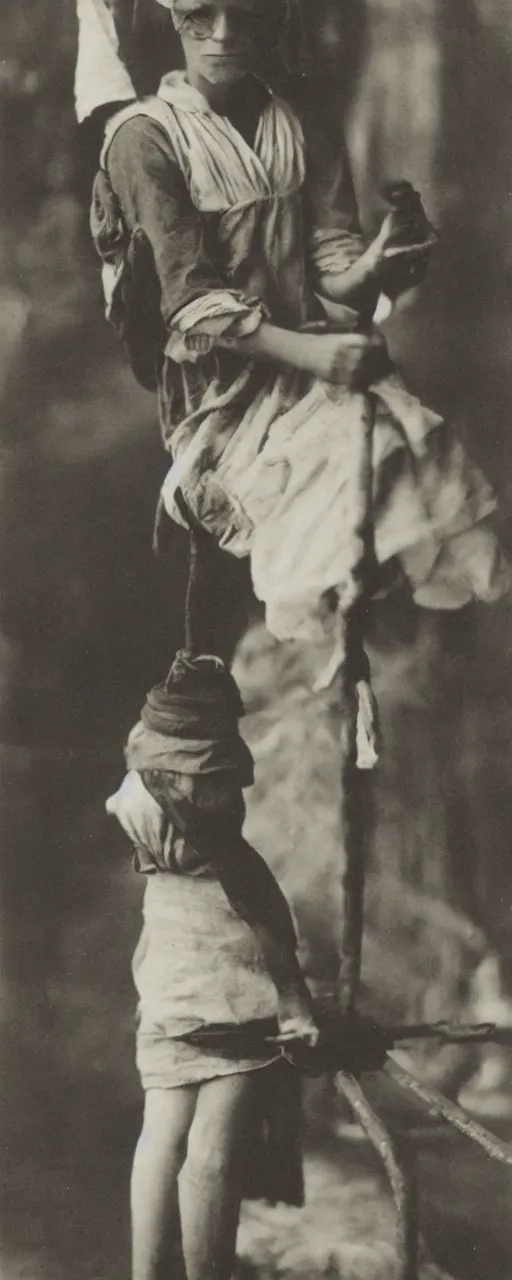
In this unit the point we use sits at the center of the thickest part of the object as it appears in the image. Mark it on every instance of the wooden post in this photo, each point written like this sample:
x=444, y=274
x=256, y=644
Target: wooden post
x=356, y=817
x=355, y=786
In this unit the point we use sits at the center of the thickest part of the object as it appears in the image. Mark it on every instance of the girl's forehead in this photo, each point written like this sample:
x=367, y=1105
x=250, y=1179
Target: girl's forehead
x=251, y=6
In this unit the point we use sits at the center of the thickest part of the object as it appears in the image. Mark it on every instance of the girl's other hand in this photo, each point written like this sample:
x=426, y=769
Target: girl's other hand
x=400, y=253
x=354, y=360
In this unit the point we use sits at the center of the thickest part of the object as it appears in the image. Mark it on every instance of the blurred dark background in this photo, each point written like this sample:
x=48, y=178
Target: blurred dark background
x=89, y=618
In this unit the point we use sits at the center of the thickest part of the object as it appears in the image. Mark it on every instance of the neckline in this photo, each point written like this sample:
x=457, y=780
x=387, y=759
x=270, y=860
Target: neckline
x=189, y=99
x=193, y=100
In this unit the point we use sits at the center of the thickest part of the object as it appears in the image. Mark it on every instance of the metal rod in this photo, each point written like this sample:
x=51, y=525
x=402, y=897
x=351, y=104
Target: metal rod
x=399, y=1169
x=438, y=1105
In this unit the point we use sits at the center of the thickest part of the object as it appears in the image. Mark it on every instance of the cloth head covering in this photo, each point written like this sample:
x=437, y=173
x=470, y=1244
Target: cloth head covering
x=191, y=760
x=189, y=724
x=199, y=699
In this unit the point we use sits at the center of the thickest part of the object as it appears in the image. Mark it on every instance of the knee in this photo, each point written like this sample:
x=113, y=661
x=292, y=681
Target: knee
x=163, y=1134
x=220, y=1127
x=210, y=1156
x=161, y=1145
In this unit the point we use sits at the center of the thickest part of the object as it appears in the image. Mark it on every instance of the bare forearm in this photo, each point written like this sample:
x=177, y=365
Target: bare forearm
x=359, y=284
x=356, y=285
x=301, y=351
x=343, y=359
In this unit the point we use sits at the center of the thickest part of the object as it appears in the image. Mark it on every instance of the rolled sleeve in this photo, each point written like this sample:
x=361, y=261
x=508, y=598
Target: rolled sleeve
x=199, y=326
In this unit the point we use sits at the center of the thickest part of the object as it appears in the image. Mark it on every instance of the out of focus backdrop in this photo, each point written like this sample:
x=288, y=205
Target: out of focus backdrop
x=89, y=619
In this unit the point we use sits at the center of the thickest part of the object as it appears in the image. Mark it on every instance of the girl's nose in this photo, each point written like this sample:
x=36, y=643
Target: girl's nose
x=222, y=27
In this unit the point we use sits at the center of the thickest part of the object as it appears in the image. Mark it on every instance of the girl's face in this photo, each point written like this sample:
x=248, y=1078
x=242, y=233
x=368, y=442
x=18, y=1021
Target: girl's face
x=221, y=39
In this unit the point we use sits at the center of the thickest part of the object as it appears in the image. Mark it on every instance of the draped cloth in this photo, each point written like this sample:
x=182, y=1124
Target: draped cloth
x=199, y=699
x=100, y=77
x=266, y=460
x=197, y=964
x=202, y=802
x=189, y=725
x=186, y=755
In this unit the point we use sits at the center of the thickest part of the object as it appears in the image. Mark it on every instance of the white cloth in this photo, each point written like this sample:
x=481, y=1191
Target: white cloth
x=197, y=961
x=100, y=76
x=140, y=815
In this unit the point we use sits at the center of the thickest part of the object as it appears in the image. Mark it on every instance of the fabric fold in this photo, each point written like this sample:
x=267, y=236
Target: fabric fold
x=100, y=77
x=146, y=749
x=331, y=252
x=197, y=328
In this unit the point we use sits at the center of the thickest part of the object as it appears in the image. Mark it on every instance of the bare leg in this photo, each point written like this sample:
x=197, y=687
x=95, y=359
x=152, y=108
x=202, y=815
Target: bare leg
x=159, y=1156
x=210, y=1189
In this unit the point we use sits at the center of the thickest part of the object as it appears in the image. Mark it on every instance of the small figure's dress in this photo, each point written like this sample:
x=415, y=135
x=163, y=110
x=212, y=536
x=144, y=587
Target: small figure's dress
x=196, y=963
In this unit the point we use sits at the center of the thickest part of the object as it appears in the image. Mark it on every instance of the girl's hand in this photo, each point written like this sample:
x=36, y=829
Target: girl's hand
x=354, y=360
x=400, y=253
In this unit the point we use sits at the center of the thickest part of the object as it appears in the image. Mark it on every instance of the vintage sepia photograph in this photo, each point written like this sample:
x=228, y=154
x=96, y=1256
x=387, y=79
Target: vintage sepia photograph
x=256, y=639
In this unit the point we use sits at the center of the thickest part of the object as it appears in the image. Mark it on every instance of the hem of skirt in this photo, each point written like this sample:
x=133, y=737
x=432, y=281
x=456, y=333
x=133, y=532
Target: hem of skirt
x=162, y=1080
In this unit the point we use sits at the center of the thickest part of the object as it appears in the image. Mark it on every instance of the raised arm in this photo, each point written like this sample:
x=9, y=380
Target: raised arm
x=343, y=268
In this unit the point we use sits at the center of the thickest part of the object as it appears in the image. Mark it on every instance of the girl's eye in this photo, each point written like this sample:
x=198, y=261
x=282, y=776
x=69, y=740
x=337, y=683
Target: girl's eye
x=202, y=20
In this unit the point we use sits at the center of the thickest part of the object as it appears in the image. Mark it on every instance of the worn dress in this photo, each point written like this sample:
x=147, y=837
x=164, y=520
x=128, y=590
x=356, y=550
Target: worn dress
x=267, y=460
x=196, y=964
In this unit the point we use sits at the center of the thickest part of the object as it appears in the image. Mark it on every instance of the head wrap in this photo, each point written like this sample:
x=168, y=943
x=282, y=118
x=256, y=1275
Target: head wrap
x=189, y=724
x=199, y=699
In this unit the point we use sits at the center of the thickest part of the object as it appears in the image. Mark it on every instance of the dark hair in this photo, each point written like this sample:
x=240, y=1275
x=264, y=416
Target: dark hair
x=148, y=43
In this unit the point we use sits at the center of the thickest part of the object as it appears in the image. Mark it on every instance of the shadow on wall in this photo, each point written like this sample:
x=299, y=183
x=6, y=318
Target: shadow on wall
x=434, y=103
